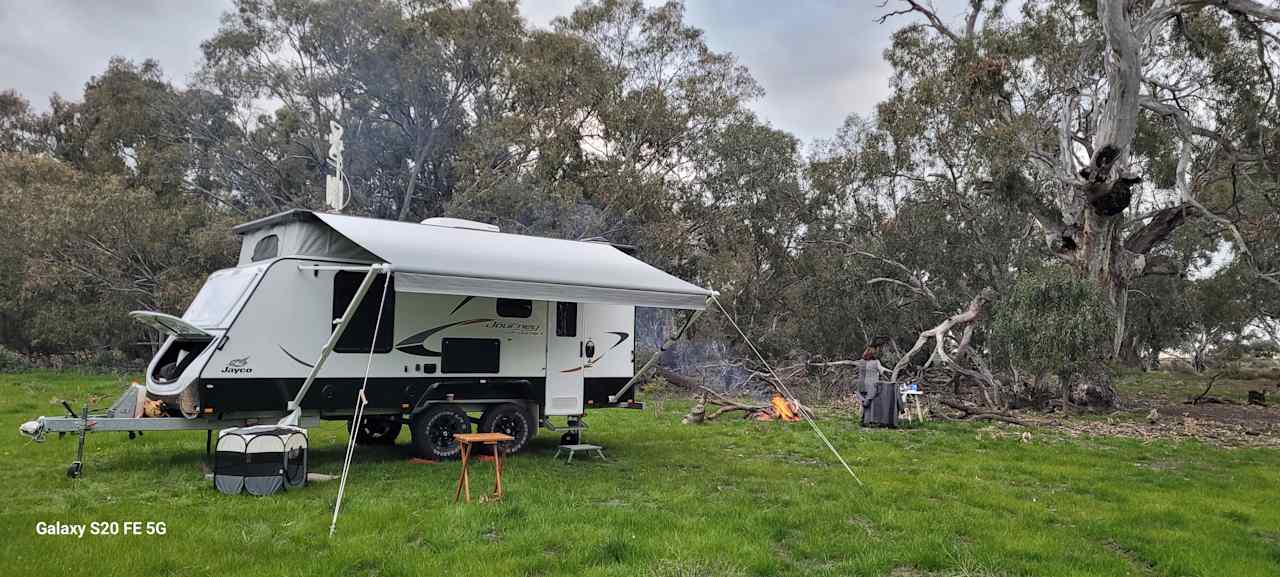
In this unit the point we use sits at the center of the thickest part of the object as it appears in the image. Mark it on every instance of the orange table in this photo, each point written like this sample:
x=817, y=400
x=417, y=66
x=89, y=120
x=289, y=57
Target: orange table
x=466, y=441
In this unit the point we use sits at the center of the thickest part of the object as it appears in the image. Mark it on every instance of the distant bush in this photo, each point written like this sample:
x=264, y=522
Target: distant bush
x=13, y=361
x=99, y=361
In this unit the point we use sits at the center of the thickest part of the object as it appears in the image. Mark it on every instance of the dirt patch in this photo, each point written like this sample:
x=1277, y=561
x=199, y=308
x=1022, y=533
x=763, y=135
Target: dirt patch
x=1219, y=425
x=1252, y=417
x=1143, y=566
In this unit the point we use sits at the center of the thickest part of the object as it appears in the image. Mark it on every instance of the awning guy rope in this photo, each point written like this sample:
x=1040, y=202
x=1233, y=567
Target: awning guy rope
x=786, y=391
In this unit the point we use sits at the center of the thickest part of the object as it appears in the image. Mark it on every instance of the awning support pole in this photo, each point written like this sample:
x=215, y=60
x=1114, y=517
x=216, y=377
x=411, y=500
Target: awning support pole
x=669, y=342
x=295, y=406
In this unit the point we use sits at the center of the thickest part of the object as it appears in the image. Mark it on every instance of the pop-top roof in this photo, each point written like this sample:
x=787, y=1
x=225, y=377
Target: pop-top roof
x=448, y=260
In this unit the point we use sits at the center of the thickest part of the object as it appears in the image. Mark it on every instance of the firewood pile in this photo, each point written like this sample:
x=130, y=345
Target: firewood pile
x=778, y=408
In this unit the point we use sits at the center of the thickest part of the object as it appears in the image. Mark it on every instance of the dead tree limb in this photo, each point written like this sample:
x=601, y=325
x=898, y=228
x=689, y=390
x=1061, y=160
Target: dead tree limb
x=1201, y=396
x=972, y=313
x=974, y=414
x=667, y=343
x=726, y=405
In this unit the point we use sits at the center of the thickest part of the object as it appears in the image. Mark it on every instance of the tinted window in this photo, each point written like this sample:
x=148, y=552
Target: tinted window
x=469, y=355
x=516, y=309
x=268, y=247
x=566, y=319
x=219, y=295
x=359, y=333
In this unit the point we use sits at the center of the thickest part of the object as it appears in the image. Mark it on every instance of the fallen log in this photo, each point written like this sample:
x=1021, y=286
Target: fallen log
x=974, y=414
x=678, y=379
x=728, y=405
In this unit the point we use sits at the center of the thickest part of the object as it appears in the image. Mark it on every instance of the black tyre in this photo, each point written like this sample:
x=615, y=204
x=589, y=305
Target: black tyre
x=433, y=430
x=510, y=419
x=377, y=430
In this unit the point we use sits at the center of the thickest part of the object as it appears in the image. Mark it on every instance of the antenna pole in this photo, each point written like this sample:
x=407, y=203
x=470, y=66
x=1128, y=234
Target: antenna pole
x=334, y=193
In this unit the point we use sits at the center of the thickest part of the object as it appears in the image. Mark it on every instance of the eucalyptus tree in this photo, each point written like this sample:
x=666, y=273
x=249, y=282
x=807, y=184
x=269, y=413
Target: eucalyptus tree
x=1112, y=123
x=406, y=79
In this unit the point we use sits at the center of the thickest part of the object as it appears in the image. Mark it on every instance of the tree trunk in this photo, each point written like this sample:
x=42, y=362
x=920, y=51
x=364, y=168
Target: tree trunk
x=406, y=203
x=1130, y=356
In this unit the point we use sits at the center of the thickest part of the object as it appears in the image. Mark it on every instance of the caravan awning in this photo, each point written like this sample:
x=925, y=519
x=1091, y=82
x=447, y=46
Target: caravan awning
x=441, y=259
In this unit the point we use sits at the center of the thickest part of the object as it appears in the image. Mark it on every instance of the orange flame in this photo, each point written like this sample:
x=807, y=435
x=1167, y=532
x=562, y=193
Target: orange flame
x=783, y=409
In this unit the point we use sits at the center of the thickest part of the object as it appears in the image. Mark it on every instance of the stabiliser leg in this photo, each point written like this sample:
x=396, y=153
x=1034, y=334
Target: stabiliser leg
x=77, y=466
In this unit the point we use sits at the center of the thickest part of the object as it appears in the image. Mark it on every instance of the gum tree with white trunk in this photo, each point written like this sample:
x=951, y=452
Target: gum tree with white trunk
x=1112, y=123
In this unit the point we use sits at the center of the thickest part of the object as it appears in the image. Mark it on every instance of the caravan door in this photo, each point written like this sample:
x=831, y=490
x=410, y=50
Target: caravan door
x=564, y=359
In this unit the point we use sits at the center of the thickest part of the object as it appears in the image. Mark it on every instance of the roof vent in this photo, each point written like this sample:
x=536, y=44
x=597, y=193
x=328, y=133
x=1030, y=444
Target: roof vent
x=460, y=223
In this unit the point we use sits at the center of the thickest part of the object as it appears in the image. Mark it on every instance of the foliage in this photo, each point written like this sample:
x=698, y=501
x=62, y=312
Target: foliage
x=1024, y=105
x=12, y=361
x=88, y=249
x=1050, y=322
x=621, y=121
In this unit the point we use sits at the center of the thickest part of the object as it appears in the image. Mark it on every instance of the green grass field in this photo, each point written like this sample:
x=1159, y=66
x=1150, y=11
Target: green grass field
x=726, y=498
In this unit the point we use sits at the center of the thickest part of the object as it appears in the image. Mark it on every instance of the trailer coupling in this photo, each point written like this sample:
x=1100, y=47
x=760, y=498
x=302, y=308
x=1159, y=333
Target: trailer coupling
x=33, y=430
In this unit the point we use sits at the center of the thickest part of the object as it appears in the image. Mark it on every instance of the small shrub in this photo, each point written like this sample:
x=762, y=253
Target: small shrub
x=659, y=387
x=13, y=361
x=1052, y=323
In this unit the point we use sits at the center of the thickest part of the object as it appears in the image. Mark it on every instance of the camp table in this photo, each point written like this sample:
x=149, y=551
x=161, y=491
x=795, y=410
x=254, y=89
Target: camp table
x=914, y=396
x=466, y=441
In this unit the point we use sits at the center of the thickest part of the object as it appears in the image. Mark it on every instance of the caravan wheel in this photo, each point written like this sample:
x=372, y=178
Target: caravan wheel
x=377, y=430
x=510, y=419
x=433, y=431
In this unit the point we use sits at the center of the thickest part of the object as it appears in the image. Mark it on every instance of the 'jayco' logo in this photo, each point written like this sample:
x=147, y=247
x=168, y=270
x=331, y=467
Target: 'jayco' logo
x=237, y=366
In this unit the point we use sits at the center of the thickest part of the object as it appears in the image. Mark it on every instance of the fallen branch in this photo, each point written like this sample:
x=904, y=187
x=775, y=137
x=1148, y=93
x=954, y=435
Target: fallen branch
x=1201, y=396
x=939, y=333
x=975, y=414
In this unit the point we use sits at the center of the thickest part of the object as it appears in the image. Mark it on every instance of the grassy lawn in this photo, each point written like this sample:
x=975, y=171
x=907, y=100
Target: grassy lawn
x=726, y=498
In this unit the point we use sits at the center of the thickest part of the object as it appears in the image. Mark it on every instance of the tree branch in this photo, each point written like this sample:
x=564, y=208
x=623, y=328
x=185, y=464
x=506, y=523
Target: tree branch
x=970, y=314
x=1161, y=225
x=928, y=12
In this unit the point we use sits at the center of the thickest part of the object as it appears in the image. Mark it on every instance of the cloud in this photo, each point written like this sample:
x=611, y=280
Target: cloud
x=55, y=46
x=818, y=60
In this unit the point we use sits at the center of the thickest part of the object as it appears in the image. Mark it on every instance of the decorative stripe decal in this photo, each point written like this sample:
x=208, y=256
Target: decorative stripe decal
x=621, y=338
x=417, y=344
x=295, y=359
x=460, y=305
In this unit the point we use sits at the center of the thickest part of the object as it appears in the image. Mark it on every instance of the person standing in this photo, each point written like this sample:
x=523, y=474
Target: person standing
x=870, y=374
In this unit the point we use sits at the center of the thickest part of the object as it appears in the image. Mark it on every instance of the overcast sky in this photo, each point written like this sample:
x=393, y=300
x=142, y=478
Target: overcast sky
x=818, y=60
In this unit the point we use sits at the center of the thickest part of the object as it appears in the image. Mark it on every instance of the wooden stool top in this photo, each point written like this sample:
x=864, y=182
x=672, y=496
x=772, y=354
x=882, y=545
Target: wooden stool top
x=486, y=438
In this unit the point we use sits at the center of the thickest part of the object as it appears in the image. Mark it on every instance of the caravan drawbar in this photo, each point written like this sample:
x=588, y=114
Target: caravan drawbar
x=456, y=325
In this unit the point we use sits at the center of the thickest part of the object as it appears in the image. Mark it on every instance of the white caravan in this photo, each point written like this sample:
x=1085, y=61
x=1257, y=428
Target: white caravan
x=474, y=327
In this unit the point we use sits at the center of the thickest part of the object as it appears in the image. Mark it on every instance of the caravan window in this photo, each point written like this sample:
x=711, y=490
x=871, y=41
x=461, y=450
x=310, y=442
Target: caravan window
x=267, y=247
x=359, y=333
x=566, y=319
x=210, y=307
x=515, y=309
